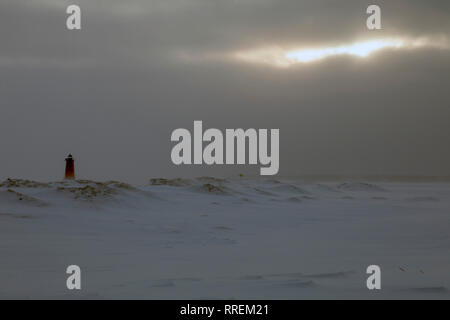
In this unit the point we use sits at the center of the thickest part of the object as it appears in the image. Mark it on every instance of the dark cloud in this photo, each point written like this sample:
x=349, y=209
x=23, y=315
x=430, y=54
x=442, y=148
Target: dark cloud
x=113, y=92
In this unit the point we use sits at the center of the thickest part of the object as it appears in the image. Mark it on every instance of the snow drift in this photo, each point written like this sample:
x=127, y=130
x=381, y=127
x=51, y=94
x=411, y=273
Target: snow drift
x=224, y=238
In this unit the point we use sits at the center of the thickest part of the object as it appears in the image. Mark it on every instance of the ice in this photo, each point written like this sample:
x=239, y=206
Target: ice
x=209, y=238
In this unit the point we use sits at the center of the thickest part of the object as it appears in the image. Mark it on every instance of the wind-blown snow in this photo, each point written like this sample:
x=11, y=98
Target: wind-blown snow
x=209, y=238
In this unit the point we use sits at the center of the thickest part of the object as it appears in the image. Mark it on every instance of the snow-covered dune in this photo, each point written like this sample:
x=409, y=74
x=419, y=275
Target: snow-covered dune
x=217, y=238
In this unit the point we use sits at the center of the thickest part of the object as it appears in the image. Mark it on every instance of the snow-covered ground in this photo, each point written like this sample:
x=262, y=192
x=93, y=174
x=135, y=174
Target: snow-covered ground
x=208, y=238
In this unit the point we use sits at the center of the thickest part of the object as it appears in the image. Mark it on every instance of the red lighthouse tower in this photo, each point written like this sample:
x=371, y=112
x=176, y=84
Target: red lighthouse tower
x=70, y=168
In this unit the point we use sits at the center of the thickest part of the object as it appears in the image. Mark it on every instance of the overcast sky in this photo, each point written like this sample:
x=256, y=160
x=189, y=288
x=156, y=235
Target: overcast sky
x=112, y=93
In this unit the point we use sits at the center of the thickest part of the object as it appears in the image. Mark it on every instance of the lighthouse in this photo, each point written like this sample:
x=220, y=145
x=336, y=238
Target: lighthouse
x=70, y=168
